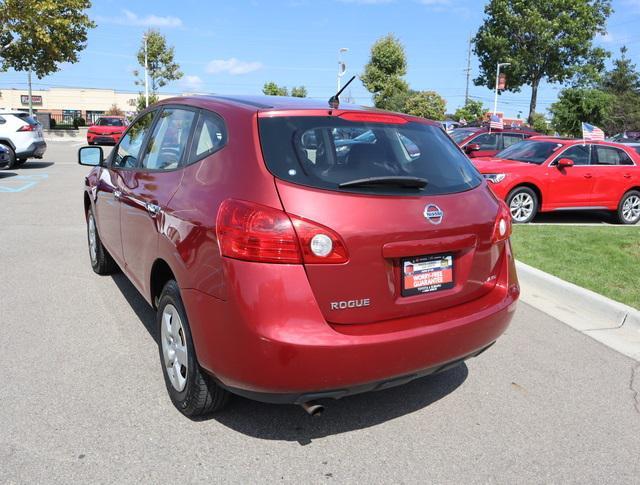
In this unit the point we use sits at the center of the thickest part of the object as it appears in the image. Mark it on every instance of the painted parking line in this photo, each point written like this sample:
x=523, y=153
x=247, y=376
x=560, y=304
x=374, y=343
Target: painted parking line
x=20, y=183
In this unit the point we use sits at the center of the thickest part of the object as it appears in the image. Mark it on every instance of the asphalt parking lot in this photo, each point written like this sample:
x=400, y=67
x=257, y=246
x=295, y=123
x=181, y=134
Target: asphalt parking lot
x=82, y=397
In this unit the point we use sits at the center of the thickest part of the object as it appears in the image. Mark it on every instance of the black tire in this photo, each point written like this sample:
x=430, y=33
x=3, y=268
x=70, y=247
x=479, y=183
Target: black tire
x=200, y=395
x=629, y=208
x=12, y=157
x=101, y=261
x=521, y=214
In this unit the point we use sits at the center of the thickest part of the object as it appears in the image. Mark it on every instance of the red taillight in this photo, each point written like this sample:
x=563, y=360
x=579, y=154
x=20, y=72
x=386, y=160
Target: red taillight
x=254, y=232
x=373, y=118
x=27, y=128
x=502, y=227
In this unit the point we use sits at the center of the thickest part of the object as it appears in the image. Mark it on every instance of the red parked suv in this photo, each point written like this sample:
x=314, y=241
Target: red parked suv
x=482, y=142
x=286, y=270
x=552, y=174
x=106, y=130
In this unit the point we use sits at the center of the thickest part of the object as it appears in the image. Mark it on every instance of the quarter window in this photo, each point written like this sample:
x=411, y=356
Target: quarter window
x=168, y=141
x=131, y=143
x=210, y=136
x=578, y=153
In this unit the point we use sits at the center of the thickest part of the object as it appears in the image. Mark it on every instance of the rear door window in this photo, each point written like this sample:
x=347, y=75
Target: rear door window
x=487, y=141
x=326, y=152
x=611, y=156
x=509, y=139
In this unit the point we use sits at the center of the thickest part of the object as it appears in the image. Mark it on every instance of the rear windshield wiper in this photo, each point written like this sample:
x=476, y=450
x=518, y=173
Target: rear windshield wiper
x=397, y=181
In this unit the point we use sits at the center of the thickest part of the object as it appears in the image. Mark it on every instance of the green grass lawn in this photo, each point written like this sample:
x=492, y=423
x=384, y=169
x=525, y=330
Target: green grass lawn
x=605, y=259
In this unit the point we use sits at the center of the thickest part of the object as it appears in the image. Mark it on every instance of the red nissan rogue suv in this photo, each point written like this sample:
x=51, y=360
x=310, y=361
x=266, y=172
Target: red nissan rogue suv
x=289, y=257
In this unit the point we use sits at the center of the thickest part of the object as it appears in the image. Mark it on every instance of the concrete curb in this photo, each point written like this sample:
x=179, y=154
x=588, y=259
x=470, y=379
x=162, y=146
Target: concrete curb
x=611, y=323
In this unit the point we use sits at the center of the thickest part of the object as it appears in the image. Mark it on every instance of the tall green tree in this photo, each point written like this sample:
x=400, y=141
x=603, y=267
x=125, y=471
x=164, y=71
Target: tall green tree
x=41, y=34
x=426, y=104
x=472, y=111
x=383, y=74
x=623, y=82
x=162, y=67
x=548, y=40
x=577, y=105
x=624, y=77
x=299, y=92
x=272, y=89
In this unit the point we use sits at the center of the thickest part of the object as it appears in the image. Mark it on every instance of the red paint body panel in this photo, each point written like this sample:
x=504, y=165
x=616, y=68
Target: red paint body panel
x=269, y=328
x=580, y=186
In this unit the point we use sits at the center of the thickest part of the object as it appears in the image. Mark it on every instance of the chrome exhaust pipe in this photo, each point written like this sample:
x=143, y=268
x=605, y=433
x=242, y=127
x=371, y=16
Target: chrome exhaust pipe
x=313, y=408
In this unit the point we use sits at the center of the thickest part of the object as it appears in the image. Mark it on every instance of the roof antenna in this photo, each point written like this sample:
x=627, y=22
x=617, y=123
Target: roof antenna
x=334, y=101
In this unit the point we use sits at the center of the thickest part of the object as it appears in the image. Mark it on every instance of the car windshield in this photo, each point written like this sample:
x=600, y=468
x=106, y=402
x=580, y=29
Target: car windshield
x=460, y=134
x=381, y=158
x=529, y=151
x=110, y=122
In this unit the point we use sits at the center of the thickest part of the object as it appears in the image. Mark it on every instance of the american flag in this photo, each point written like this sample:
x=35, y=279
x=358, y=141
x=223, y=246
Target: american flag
x=591, y=133
x=495, y=123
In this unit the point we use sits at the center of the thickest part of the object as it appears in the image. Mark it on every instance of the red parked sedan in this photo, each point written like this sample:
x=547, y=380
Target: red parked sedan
x=286, y=271
x=552, y=174
x=482, y=142
x=106, y=131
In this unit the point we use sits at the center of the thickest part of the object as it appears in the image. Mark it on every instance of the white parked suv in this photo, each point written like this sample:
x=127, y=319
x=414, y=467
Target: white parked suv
x=22, y=136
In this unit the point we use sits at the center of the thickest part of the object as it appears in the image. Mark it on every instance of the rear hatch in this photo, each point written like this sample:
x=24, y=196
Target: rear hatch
x=414, y=215
x=31, y=126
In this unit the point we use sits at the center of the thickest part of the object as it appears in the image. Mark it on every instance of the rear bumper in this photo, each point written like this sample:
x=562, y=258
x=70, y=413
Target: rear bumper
x=270, y=342
x=35, y=150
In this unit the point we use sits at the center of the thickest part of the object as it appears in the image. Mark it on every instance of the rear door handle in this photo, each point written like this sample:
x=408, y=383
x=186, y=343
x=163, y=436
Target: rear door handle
x=153, y=209
x=117, y=194
x=587, y=175
x=627, y=175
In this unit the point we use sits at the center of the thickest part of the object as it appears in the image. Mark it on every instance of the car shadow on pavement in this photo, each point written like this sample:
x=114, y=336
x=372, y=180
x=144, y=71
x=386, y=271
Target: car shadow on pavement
x=36, y=165
x=291, y=423
x=6, y=175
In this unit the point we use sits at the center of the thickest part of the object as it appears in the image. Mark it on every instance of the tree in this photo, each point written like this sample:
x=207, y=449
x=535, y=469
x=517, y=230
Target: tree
x=577, y=105
x=540, y=125
x=162, y=67
x=383, y=74
x=141, y=101
x=272, y=89
x=41, y=34
x=426, y=104
x=299, y=92
x=114, y=111
x=623, y=78
x=471, y=111
x=548, y=40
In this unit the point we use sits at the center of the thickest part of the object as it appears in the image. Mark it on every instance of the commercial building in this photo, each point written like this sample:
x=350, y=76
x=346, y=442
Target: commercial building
x=67, y=104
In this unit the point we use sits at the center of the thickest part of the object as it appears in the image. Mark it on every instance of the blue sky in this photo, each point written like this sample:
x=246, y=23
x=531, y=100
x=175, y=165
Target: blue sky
x=235, y=46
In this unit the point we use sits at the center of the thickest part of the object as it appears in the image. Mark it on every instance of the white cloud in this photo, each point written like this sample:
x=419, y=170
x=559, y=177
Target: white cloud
x=232, y=66
x=192, y=82
x=151, y=20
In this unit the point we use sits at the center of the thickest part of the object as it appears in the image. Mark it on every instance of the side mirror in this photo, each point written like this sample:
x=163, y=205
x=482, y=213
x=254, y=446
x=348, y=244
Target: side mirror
x=565, y=163
x=90, y=156
x=472, y=147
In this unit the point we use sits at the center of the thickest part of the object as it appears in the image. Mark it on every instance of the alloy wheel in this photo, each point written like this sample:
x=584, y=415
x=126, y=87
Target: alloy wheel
x=631, y=209
x=174, y=347
x=521, y=207
x=93, y=239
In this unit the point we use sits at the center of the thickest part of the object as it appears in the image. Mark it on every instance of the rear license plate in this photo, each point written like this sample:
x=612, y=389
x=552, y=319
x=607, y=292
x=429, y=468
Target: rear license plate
x=426, y=274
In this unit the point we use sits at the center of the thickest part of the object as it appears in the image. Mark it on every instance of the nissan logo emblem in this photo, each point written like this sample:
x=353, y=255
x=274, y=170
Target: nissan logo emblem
x=433, y=214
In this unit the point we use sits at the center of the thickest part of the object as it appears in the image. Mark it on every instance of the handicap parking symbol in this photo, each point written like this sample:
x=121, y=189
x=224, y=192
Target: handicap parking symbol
x=20, y=183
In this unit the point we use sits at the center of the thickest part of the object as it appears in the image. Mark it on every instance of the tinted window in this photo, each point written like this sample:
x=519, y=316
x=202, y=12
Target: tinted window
x=509, y=139
x=487, y=141
x=131, y=143
x=304, y=150
x=168, y=141
x=529, y=151
x=578, y=153
x=460, y=134
x=637, y=149
x=110, y=122
x=26, y=118
x=611, y=156
x=209, y=137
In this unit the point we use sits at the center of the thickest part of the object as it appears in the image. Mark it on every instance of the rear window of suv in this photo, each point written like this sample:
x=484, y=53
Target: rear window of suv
x=26, y=118
x=327, y=152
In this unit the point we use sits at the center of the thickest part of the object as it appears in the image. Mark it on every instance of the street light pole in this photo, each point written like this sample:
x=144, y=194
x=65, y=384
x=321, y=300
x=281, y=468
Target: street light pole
x=342, y=67
x=495, y=100
x=146, y=73
x=30, y=97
